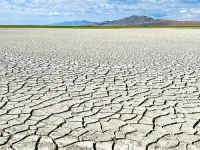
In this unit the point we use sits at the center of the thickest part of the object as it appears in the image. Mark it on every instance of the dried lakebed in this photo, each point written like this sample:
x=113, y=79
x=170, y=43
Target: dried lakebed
x=87, y=89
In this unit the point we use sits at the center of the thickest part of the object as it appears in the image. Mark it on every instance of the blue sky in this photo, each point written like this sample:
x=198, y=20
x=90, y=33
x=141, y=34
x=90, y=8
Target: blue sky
x=52, y=11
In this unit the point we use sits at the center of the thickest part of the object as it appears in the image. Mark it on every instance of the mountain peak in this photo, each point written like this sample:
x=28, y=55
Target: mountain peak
x=133, y=20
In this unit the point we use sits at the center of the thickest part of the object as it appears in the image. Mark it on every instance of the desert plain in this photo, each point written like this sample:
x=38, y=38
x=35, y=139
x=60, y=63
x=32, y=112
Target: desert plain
x=99, y=89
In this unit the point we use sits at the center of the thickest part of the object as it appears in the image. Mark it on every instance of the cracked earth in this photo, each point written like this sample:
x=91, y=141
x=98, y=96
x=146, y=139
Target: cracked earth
x=124, y=89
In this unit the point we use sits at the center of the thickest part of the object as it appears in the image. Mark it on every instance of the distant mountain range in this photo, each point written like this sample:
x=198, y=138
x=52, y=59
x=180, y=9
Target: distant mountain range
x=75, y=23
x=131, y=21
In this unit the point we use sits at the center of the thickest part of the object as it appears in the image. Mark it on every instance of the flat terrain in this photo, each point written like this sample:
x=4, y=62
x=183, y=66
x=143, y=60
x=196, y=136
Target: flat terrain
x=178, y=26
x=99, y=89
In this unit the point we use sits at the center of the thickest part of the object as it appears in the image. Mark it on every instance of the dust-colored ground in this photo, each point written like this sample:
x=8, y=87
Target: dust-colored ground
x=99, y=89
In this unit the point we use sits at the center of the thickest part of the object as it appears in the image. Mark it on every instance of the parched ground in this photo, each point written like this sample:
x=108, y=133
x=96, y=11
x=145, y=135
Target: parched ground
x=88, y=89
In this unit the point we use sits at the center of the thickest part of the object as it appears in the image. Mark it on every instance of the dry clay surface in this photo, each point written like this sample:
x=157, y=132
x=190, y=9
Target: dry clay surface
x=88, y=89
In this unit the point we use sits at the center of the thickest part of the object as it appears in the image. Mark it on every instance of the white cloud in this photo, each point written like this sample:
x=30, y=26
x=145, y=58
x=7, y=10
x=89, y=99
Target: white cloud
x=68, y=14
x=19, y=1
x=54, y=14
x=189, y=16
x=183, y=11
x=196, y=11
